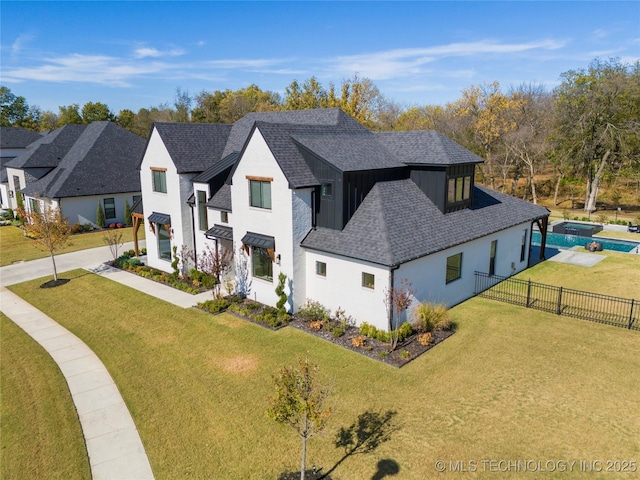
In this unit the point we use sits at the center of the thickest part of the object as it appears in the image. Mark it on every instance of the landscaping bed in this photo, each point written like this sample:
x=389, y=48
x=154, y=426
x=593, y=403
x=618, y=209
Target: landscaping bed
x=194, y=283
x=407, y=350
x=250, y=310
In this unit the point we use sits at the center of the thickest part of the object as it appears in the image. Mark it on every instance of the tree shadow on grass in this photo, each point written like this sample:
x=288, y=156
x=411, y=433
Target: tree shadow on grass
x=55, y=283
x=364, y=436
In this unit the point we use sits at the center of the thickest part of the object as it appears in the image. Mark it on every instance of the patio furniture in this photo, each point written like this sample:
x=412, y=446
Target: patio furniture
x=633, y=228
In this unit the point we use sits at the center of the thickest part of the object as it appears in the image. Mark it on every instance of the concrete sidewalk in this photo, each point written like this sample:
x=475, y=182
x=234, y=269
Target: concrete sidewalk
x=114, y=446
x=113, y=443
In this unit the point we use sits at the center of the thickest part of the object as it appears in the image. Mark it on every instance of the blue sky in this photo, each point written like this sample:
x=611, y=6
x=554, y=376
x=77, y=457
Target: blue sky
x=136, y=54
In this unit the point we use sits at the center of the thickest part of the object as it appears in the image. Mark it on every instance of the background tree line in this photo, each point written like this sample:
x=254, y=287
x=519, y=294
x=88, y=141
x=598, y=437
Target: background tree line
x=535, y=142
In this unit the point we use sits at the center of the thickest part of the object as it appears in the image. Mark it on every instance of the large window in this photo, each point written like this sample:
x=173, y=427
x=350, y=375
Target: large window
x=202, y=210
x=159, y=180
x=459, y=189
x=492, y=257
x=261, y=264
x=164, y=242
x=109, y=208
x=454, y=267
x=34, y=205
x=523, y=245
x=260, y=194
x=368, y=280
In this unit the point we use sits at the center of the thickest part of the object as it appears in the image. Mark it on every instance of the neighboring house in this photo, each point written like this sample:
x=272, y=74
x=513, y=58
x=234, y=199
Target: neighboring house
x=344, y=212
x=78, y=167
x=13, y=142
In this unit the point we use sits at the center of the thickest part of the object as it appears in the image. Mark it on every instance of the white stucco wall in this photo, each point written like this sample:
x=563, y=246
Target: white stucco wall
x=173, y=203
x=342, y=287
x=258, y=161
x=13, y=203
x=4, y=195
x=83, y=209
x=428, y=274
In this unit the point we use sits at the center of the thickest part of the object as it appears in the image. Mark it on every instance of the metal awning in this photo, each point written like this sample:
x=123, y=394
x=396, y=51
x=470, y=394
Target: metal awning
x=160, y=218
x=219, y=231
x=257, y=240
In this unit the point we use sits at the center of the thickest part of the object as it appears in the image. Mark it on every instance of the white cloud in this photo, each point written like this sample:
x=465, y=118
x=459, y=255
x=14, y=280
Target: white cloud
x=19, y=43
x=145, y=52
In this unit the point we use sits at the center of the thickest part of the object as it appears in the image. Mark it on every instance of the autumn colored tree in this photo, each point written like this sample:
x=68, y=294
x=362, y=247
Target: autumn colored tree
x=69, y=115
x=597, y=127
x=216, y=262
x=301, y=402
x=397, y=300
x=49, y=230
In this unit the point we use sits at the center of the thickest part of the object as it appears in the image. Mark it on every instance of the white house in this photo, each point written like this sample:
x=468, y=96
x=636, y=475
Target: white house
x=344, y=212
x=13, y=142
x=78, y=167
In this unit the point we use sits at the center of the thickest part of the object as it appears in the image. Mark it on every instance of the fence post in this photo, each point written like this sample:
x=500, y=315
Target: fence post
x=559, y=309
x=528, y=293
x=631, y=314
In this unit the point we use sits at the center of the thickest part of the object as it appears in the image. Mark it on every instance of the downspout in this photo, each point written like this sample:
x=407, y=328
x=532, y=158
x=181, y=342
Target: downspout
x=391, y=286
x=195, y=246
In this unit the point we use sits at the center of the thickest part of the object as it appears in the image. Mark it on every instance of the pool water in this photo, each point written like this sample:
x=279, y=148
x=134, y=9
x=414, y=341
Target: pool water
x=561, y=241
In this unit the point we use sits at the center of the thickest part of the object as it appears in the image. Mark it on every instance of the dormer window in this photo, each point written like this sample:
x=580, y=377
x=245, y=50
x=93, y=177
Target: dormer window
x=459, y=189
x=326, y=190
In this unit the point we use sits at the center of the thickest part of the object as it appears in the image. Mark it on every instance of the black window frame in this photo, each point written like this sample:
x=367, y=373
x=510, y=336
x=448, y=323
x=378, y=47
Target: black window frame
x=370, y=285
x=260, y=202
x=492, y=257
x=326, y=190
x=321, y=269
x=109, y=212
x=453, y=272
x=164, y=238
x=523, y=244
x=224, y=217
x=458, y=189
x=159, y=180
x=261, y=254
x=203, y=219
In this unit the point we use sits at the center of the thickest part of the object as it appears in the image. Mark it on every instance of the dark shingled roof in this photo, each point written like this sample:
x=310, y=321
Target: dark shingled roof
x=221, y=200
x=194, y=147
x=425, y=147
x=397, y=223
x=322, y=116
x=17, y=137
x=102, y=160
x=48, y=151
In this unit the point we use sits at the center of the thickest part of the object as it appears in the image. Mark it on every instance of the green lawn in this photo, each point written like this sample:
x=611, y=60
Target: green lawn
x=511, y=384
x=41, y=434
x=15, y=247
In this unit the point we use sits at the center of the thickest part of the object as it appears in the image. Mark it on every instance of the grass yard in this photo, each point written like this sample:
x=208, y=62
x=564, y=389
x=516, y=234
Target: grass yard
x=512, y=384
x=15, y=247
x=41, y=434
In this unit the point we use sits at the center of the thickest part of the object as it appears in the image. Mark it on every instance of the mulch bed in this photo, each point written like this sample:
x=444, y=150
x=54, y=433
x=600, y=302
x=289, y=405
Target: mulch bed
x=376, y=349
x=55, y=283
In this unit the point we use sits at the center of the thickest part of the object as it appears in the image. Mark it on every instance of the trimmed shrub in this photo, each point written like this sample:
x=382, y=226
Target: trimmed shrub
x=316, y=325
x=313, y=311
x=424, y=339
x=405, y=331
x=76, y=228
x=215, y=306
x=359, y=341
x=100, y=215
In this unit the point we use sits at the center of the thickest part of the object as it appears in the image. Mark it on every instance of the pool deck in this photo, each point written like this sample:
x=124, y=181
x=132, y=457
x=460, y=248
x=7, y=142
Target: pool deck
x=573, y=257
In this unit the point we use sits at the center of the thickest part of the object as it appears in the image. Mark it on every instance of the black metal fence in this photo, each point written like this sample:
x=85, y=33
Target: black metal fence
x=621, y=312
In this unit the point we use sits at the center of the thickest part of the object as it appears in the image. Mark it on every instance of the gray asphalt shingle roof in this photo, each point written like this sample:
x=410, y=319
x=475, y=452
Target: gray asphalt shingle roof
x=425, y=147
x=194, y=147
x=221, y=200
x=397, y=223
x=103, y=159
x=17, y=137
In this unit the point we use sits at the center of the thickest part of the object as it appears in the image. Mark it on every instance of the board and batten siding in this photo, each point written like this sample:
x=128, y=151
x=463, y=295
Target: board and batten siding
x=84, y=209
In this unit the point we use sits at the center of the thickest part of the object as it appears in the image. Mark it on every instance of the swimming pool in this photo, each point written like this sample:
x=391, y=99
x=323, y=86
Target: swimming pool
x=564, y=242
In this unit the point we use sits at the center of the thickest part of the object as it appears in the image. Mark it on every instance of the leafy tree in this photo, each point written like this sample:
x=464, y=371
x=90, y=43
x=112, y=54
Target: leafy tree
x=100, y=215
x=69, y=115
x=96, y=112
x=126, y=119
x=49, y=229
x=208, y=107
x=597, y=111
x=311, y=95
x=182, y=103
x=47, y=121
x=14, y=111
x=361, y=99
x=300, y=402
